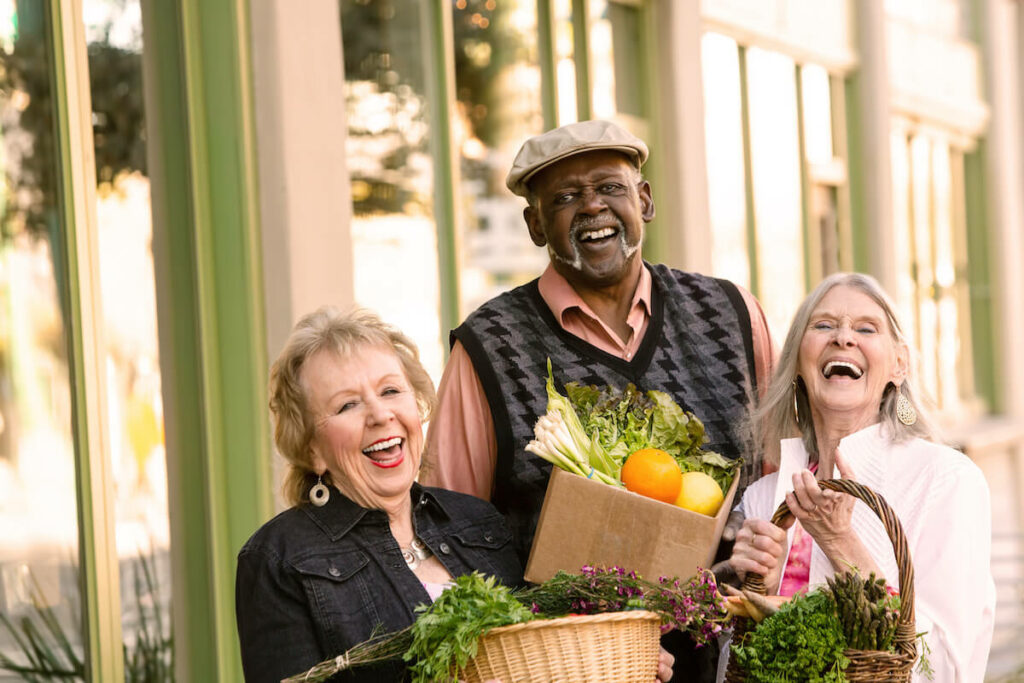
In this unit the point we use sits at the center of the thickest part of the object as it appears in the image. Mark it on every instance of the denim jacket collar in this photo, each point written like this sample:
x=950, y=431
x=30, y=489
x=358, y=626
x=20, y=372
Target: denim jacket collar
x=341, y=514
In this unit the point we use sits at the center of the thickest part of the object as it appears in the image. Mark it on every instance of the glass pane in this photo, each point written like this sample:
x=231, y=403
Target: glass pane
x=497, y=82
x=616, y=53
x=723, y=135
x=390, y=164
x=948, y=18
x=948, y=342
x=921, y=244
x=775, y=173
x=38, y=504
x=113, y=30
x=817, y=104
x=565, y=64
x=906, y=289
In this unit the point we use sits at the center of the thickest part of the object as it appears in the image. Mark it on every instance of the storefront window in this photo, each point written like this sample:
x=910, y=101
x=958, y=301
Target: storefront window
x=134, y=416
x=723, y=135
x=775, y=179
x=38, y=503
x=769, y=237
x=565, y=65
x=497, y=88
x=617, y=54
x=394, y=238
x=930, y=256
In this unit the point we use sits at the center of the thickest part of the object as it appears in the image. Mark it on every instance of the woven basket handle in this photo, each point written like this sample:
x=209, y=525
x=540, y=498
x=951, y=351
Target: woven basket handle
x=906, y=626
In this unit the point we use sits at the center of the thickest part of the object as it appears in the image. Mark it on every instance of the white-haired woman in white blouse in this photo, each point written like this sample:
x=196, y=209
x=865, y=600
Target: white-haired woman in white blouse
x=842, y=389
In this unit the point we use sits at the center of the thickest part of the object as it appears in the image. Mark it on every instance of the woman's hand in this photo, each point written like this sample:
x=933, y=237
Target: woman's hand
x=665, y=662
x=760, y=548
x=824, y=514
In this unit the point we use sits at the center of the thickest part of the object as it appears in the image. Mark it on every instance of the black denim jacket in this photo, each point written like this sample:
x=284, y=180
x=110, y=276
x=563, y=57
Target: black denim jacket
x=313, y=582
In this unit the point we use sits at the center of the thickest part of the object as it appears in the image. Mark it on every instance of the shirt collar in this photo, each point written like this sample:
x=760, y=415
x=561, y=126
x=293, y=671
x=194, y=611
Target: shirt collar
x=340, y=515
x=560, y=296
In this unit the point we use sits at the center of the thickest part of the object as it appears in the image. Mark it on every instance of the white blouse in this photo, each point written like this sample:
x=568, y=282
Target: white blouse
x=942, y=501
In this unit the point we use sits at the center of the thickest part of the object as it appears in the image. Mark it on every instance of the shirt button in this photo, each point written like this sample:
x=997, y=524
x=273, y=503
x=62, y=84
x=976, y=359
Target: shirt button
x=334, y=571
x=489, y=538
x=444, y=548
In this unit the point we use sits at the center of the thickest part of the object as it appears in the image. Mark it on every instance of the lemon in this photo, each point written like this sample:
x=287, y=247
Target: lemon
x=700, y=493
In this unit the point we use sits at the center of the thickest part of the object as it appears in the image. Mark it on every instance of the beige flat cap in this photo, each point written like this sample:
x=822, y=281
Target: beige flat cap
x=543, y=150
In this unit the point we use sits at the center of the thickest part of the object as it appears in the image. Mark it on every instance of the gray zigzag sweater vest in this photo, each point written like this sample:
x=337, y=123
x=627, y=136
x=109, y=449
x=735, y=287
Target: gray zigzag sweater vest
x=697, y=348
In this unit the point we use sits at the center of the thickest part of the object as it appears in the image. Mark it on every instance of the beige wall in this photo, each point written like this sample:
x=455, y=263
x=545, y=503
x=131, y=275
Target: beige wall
x=305, y=201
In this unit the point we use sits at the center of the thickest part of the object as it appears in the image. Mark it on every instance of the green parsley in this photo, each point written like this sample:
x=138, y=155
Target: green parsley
x=444, y=637
x=803, y=641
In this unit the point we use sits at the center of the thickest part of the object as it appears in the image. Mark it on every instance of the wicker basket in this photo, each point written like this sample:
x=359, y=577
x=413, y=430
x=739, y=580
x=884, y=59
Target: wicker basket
x=866, y=666
x=618, y=647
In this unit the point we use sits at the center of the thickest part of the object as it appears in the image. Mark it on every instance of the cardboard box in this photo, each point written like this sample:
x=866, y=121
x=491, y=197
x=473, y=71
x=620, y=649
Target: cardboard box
x=586, y=522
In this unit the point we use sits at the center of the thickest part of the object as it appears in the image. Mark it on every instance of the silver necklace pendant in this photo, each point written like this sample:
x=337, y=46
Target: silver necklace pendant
x=415, y=553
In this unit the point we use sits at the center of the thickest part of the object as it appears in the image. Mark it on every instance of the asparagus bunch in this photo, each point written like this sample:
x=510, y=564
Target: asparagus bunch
x=867, y=612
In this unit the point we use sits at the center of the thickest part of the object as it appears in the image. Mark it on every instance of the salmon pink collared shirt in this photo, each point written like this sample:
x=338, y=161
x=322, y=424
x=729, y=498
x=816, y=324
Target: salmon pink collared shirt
x=462, y=428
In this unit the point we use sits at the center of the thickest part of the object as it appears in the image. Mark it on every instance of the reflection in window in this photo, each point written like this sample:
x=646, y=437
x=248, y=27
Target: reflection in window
x=565, y=64
x=723, y=134
x=825, y=174
x=775, y=177
x=617, y=67
x=134, y=416
x=783, y=255
x=394, y=239
x=932, y=285
x=816, y=101
x=38, y=504
x=948, y=18
x=497, y=86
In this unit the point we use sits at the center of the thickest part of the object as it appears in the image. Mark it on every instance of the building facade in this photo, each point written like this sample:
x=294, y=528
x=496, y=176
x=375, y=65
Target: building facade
x=184, y=179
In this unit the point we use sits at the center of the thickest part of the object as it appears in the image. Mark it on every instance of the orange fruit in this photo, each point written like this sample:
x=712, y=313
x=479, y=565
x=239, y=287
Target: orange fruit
x=653, y=473
x=700, y=492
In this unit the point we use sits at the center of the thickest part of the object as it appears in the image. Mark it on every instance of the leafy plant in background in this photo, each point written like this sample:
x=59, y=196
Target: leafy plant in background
x=47, y=653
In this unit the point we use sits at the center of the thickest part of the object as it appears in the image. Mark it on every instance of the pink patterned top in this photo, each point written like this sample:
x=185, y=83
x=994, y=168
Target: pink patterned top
x=797, y=573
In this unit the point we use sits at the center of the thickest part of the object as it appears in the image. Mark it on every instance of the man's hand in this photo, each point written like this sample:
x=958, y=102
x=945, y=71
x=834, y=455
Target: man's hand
x=732, y=526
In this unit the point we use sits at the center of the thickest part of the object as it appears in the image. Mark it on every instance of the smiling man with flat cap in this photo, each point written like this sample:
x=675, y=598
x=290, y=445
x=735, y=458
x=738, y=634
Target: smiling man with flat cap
x=602, y=315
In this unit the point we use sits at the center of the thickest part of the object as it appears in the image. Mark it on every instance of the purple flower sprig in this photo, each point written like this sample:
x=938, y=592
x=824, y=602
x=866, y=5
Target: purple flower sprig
x=693, y=606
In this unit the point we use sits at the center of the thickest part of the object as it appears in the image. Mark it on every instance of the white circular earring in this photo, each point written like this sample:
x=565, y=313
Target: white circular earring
x=319, y=494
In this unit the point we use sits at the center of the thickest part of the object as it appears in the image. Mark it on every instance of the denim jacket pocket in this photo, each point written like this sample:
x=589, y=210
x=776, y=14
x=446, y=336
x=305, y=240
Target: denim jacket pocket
x=488, y=547
x=342, y=593
x=486, y=536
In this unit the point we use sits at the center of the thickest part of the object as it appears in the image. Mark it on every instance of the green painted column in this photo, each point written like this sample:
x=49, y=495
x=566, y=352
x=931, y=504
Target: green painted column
x=206, y=247
x=77, y=259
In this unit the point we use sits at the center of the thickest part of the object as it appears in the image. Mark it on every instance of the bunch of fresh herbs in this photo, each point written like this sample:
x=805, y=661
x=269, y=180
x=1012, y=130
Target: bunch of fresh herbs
x=803, y=641
x=445, y=635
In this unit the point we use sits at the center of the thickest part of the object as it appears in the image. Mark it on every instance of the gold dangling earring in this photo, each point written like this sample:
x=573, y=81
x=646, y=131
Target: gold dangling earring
x=796, y=405
x=905, y=409
x=318, y=493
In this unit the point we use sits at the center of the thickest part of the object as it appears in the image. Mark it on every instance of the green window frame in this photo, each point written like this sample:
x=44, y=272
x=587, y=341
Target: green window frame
x=206, y=248
x=206, y=251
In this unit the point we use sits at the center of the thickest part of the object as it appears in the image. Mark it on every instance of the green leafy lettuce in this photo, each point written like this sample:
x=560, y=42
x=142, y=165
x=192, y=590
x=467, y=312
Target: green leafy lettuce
x=622, y=421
